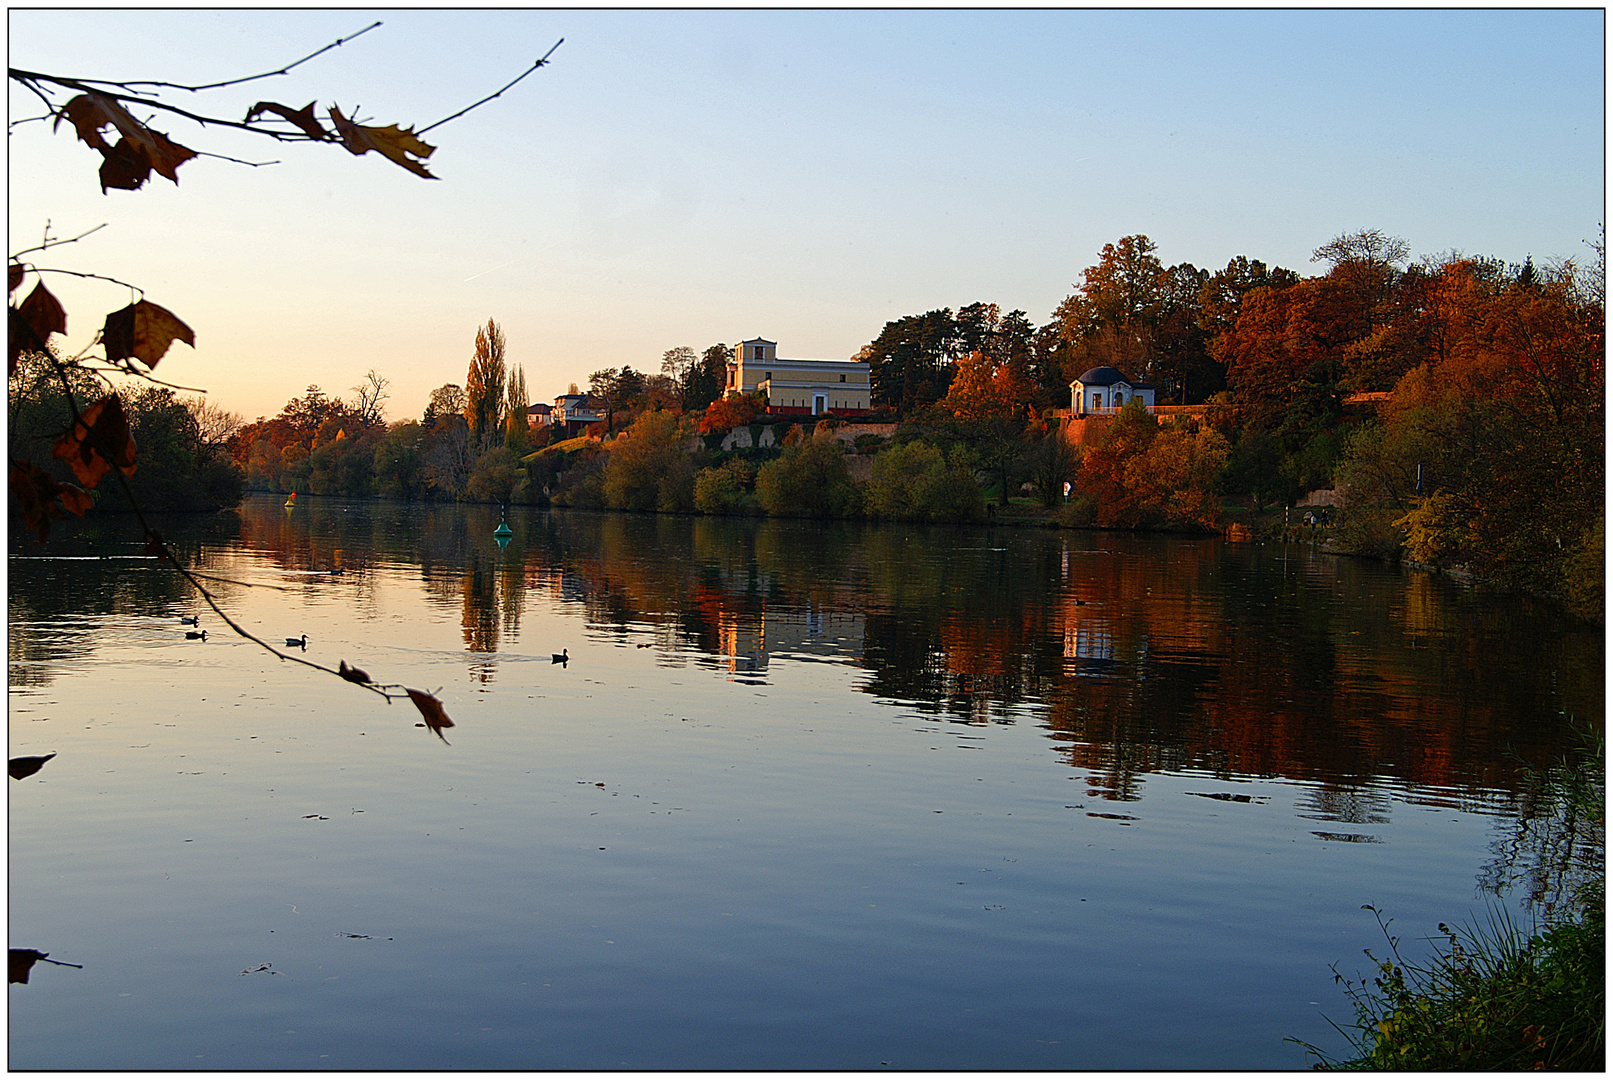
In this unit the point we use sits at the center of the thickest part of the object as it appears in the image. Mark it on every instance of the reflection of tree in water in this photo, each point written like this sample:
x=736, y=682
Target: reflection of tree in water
x=478, y=620
x=1136, y=654
x=1346, y=805
x=59, y=594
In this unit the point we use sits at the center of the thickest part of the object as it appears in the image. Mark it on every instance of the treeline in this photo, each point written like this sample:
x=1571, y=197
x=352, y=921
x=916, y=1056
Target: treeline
x=183, y=463
x=1485, y=452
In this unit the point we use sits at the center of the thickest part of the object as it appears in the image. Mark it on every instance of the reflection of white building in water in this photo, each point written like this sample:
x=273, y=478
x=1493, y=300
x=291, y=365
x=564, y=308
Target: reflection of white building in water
x=1088, y=643
x=746, y=639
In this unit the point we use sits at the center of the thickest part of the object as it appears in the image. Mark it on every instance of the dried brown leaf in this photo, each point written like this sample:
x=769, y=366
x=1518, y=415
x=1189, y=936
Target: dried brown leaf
x=125, y=167
x=44, y=313
x=22, y=961
x=15, y=274
x=401, y=145
x=303, y=118
x=21, y=338
x=88, y=114
x=143, y=331
x=431, y=709
x=352, y=674
x=42, y=498
x=129, y=163
x=100, y=431
x=22, y=767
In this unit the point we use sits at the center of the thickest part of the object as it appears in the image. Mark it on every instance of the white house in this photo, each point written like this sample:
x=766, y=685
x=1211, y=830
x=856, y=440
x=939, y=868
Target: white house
x=1105, y=389
x=811, y=387
x=575, y=412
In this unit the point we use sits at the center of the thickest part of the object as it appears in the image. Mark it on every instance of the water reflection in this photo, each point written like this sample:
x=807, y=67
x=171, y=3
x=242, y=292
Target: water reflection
x=1138, y=655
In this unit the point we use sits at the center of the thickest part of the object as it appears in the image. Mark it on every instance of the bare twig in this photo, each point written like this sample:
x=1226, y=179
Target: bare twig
x=540, y=62
x=81, y=274
x=251, y=78
x=49, y=243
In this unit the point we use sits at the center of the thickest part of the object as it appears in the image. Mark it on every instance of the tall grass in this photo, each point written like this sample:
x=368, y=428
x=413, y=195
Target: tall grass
x=1493, y=996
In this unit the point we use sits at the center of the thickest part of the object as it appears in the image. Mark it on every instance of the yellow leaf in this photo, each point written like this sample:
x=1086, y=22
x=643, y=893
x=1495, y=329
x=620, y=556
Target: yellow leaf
x=395, y=143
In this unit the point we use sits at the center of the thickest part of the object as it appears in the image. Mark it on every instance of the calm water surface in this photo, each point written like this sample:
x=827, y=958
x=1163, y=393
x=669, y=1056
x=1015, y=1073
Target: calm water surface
x=805, y=796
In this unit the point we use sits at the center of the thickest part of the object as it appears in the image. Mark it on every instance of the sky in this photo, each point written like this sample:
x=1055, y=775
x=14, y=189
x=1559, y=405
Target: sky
x=677, y=177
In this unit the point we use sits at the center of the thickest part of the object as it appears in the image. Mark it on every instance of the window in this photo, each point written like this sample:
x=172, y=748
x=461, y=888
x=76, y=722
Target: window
x=842, y=378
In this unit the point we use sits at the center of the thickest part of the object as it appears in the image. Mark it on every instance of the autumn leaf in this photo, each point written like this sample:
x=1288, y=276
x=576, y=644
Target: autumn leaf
x=124, y=168
x=43, y=312
x=143, y=331
x=397, y=144
x=21, y=338
x=100, y=430
x=431, y=709
x=22, y=962
x=15, y=275
x=22, y=767
x=353, y=674
x=38, y=493
x=88, y=114
x=129, y=163
x=303, y=118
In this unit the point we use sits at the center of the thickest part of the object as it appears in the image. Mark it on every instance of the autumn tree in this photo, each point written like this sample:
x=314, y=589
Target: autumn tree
x=1111, y=318
x=446, y=400
x=1504, y=425
x=1147, y=475
x=729, y=412
x=649, y=467
x=484, y=389
x=987, y=402
x=515, y=426
x=1221, y=299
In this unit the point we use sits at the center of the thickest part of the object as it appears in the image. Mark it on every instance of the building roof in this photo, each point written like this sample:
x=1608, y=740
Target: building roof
x=1103, y=376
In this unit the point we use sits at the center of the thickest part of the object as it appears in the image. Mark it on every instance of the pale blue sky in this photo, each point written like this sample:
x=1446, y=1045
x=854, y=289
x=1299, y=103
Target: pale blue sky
x=682, y=178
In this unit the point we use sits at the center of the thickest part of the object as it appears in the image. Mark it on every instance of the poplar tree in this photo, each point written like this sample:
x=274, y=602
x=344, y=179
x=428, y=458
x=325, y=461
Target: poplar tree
x=515, y=433
x=484, y=387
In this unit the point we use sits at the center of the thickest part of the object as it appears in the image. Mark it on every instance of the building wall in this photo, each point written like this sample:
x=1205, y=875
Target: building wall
x=1087, y=399
x=798, y=384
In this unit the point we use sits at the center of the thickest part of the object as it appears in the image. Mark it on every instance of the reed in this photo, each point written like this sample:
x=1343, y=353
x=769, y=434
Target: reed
x=1493, y=996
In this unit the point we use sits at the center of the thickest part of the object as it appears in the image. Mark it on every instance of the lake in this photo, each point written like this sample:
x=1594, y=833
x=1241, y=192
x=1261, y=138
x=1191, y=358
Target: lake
x=805, y=795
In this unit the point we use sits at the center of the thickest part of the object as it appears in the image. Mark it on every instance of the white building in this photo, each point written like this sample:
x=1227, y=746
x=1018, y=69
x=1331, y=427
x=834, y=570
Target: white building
x=810, y=387
x=1105, y=389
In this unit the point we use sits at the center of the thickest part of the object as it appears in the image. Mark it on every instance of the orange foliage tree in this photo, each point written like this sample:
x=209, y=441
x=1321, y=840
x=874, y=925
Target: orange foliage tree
x=727, y=413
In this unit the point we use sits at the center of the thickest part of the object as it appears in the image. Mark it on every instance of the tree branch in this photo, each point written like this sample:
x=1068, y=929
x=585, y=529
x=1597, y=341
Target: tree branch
x=250, y=78
x=540, y=62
